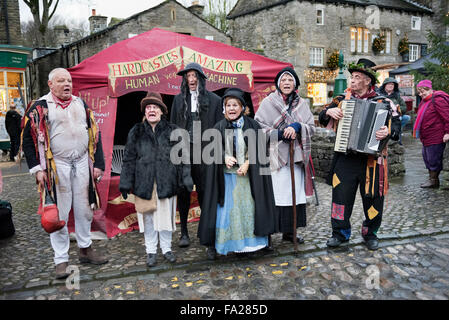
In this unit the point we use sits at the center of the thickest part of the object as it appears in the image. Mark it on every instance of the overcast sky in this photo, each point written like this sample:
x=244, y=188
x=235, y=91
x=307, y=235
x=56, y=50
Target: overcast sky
x=80, y=10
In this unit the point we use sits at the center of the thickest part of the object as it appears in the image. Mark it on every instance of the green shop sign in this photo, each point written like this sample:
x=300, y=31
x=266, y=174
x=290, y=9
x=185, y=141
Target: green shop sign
x=13, y=60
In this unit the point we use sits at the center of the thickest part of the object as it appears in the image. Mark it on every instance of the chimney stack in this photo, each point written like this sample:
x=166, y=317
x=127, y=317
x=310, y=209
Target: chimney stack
x=97, y=23
x=196, y=8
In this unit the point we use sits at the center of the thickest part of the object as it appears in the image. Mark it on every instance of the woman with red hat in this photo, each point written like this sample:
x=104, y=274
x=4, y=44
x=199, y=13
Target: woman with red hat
x=149, y=174
x=432, y=128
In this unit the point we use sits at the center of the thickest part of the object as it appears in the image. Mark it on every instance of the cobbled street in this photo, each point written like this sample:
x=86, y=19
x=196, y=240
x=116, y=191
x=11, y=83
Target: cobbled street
x=412, y=262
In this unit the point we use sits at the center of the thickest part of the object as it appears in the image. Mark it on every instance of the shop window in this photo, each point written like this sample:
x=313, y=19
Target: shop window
x=318, y=92
x=9, y=94
x=316, y=57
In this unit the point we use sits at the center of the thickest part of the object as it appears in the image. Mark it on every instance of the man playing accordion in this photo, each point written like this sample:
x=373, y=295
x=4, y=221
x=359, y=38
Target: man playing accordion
x=350, y=169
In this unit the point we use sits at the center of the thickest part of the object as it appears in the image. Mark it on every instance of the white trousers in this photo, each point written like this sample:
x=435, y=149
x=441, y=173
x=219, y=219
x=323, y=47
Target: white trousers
x=72, y=190
x=151, y=236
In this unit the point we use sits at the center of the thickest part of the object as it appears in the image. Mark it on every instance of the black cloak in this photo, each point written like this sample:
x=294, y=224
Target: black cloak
x=261, y=191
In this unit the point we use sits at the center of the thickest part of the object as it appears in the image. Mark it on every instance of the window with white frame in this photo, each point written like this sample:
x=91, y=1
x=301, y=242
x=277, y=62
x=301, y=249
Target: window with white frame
x=360, y=40
x=353, y=39
x=416, y=23
x=366, y=34
x=413, y=52
x=387, y=34
x=320, y=15
x=316, y=57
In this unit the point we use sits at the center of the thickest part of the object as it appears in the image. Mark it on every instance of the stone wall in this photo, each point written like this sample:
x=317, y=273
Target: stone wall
x=323, y=151
x=286, y=32
x=15, y=33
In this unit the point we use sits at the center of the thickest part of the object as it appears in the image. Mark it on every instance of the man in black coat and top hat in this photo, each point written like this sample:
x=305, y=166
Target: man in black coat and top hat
x=348, y=170
x=192, y=107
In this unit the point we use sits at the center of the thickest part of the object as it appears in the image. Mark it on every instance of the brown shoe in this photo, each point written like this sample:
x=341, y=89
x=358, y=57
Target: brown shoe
x=61, y=271
x=89, y=255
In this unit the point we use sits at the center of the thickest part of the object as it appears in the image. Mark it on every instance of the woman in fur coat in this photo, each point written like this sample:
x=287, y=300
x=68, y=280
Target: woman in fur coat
x=149, y=174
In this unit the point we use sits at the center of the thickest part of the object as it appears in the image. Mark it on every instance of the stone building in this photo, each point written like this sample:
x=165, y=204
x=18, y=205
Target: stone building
x=13, y=62
x=169, y=15
x=307, y=33
x=10, y=32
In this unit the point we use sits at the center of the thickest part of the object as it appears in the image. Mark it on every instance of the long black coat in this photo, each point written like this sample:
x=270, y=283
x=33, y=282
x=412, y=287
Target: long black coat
x=147, y=157
x=261, y=191
x=12, y=123
x=210, y=110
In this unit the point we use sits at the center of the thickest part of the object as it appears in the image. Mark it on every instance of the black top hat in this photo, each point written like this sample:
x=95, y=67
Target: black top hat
x=364, y=66
x=235, y=93
x=193, y=66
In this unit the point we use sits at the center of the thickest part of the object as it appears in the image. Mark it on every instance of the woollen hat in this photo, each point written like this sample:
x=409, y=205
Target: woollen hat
x=193, y=66
x=425, y=83
x=153, y=98
x=290, y=71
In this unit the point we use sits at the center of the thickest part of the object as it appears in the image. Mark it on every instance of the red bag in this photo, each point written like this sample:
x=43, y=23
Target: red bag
x=50, y=214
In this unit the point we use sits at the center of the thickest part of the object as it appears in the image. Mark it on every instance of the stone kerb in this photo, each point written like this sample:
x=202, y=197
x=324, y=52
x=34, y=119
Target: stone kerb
x=323, y=151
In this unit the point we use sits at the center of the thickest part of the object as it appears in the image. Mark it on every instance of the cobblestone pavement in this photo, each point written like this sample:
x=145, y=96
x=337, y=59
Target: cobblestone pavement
x=412, y=262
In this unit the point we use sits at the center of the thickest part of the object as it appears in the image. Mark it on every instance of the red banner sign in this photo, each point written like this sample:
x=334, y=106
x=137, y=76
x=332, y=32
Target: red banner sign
x=160, y=73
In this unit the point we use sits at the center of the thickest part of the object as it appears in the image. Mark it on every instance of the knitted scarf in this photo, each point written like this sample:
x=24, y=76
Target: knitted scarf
x=273, y=115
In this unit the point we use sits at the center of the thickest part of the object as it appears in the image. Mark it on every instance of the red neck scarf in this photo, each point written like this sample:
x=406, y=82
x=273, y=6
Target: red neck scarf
x=61, y=103
x=369, y=94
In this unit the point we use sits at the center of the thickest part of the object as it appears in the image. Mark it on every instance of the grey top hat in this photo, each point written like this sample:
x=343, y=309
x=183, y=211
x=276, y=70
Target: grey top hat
x=193, y=66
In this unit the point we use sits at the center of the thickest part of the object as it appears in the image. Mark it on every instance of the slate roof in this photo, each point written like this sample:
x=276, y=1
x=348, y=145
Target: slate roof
x=244, y=7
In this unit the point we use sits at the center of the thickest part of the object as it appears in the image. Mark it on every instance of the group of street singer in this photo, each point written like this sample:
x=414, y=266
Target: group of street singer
x=241, y=207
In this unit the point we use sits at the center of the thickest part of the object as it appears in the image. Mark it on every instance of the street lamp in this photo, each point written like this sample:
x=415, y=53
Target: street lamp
x=340, y=80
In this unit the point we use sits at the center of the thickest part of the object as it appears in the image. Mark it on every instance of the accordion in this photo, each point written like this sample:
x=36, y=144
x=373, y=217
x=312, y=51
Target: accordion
x=356, y=131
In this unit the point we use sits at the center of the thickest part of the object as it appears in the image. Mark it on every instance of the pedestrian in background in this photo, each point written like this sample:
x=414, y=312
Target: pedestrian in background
x=432, y=128
x=194, y=105
x=149, y=174
x=238, y=212
x=75, y=156
x=12, y=123
x=390, y=89
x=287, y=116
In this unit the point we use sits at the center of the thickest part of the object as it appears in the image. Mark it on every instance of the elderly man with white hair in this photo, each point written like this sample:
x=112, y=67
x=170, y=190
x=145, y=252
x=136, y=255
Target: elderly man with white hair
x=75, y=162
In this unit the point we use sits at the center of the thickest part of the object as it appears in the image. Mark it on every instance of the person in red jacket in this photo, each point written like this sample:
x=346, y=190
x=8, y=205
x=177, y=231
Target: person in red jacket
x=432, y=128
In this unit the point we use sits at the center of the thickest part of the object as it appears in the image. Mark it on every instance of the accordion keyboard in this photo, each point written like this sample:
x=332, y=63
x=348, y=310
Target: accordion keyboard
x=344, y=126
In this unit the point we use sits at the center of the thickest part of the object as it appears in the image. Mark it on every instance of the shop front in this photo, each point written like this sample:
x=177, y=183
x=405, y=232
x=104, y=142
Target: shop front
x=320, y=85
x=13, y=62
